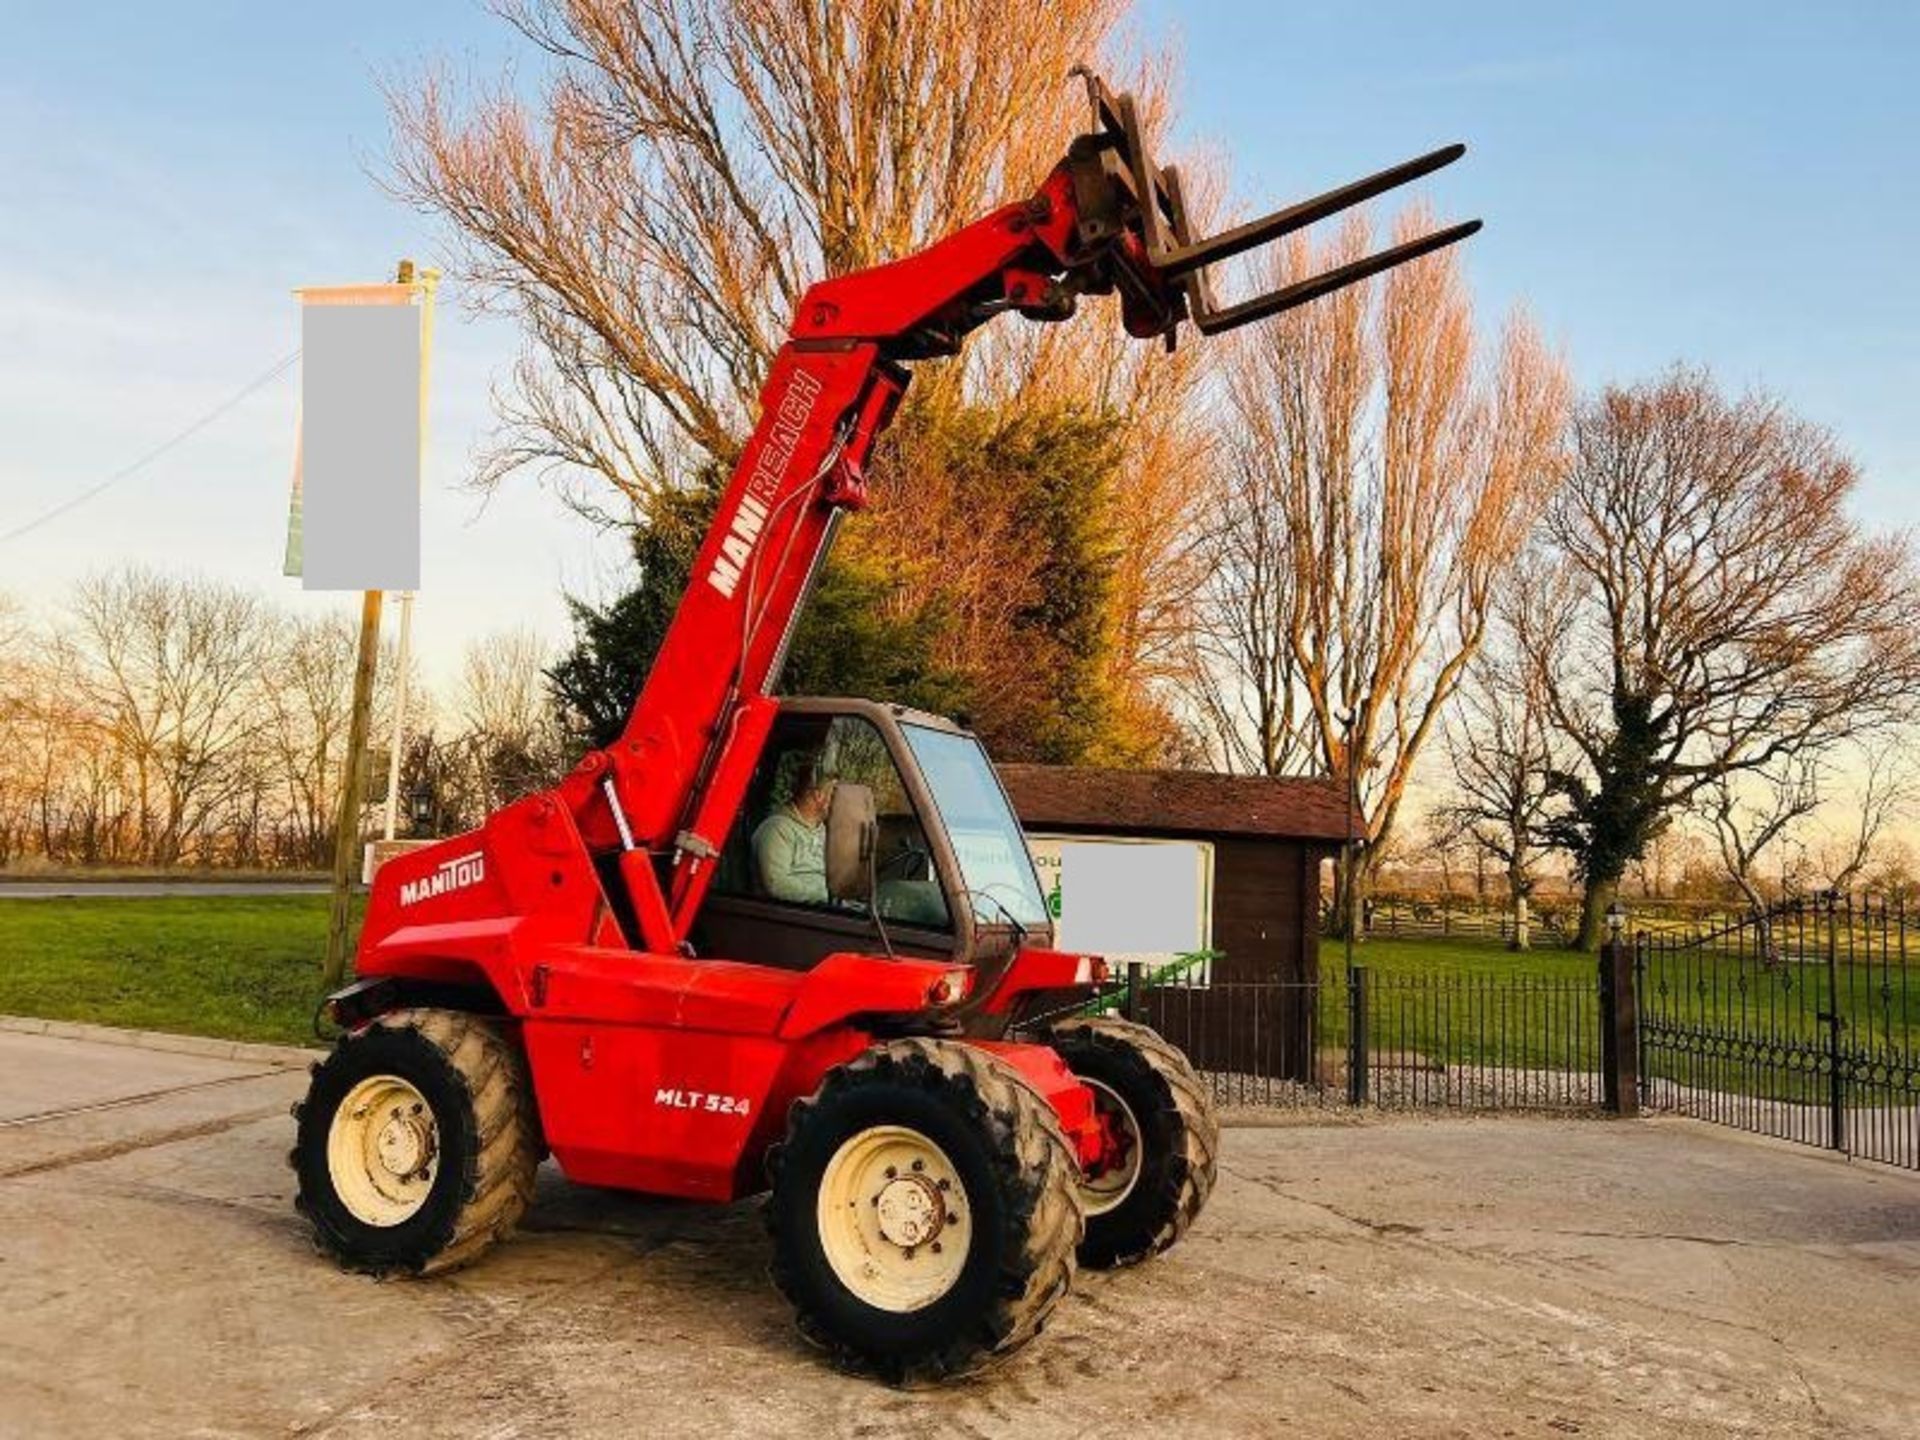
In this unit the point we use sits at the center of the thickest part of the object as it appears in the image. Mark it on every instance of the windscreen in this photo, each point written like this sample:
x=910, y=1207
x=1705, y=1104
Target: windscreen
x=994, y=863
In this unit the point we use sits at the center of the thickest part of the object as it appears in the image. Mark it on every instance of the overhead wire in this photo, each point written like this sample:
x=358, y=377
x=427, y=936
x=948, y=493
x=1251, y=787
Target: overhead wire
x=279, y=368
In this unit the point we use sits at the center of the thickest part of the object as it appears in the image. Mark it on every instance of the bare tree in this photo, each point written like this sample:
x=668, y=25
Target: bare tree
x=1445, y=845
x=654, y=215
x=1501, y=757
x=308, y=703
x=1722, y=613
x=1886, y=785
x=163, y=720
x=1893, y=874
x=1749, y=814
x=1241, y=669
x=170, y=668
x=13, y=630
x=509, y=729
x=15, y=718
x=1381, y=481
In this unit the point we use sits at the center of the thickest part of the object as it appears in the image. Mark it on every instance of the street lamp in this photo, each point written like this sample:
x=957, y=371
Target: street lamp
x=1616, y=921
x=1350, y=721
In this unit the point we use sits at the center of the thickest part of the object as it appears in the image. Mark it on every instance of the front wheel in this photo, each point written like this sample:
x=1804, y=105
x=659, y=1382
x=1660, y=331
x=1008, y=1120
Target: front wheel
x=923, y=1213
x=417, y=1143
x=1165, y=1133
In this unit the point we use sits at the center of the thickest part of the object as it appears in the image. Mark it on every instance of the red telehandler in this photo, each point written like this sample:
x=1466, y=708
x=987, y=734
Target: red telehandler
x=881, y=1043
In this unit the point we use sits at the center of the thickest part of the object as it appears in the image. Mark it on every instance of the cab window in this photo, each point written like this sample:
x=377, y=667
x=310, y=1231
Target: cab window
x=777, y=849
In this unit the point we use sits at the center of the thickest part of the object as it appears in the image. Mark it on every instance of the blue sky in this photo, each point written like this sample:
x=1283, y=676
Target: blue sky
x=1729, y=184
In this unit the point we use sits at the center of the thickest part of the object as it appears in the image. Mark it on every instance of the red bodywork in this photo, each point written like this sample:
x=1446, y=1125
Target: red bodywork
x=657, y=1072
x=661, y=1071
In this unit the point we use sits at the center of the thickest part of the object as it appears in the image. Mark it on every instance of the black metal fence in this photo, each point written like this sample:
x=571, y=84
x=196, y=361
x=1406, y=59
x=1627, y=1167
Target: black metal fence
x=1802, y=1023
x=1470, y=1041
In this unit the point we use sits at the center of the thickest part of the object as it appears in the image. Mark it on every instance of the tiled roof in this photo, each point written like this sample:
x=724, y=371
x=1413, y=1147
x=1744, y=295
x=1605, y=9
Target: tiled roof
x=1176, y=802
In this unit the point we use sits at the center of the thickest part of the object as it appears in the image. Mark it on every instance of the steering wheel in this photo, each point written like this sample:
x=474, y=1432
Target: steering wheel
x=909, y=858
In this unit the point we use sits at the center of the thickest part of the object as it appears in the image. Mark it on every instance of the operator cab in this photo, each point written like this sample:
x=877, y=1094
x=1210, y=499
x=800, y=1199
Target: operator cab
x=948, y=875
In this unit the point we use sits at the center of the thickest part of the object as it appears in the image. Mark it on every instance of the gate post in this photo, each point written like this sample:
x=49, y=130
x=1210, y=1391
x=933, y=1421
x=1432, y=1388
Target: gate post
x=1356, y=1035
x=1130, y=1002
x=1836, y=1073
x=1619, y=1029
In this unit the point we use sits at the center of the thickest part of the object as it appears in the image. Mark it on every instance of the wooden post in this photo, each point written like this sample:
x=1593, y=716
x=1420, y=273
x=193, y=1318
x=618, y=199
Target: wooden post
x=353, y=789
x=1619, y=1028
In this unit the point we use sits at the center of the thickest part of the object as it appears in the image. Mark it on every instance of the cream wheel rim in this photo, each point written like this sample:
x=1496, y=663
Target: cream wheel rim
x=1108, y=1190
x=894, y=1218
x=381, y=1150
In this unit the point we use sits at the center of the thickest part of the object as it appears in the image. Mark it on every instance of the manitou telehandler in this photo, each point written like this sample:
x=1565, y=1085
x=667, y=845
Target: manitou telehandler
x=800, y=944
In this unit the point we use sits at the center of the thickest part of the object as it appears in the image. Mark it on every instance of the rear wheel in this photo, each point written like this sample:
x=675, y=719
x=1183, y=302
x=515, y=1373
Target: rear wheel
x=417, y=1143
x=924, y=1211
x=1166, y=1138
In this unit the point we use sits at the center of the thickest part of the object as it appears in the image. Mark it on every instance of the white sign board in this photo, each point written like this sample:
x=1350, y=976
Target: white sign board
x=1127, y=899
x=358, y=473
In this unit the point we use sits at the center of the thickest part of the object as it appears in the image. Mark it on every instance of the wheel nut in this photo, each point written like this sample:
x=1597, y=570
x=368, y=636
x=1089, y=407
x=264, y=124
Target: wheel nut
x=936, y=1247
x=946, y=1184
x=919, y=1165
x=892, y=1172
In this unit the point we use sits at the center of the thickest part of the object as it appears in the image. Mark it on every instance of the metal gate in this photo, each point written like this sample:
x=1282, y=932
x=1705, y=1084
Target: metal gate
x=1452, y=1039
x=1801, y=1022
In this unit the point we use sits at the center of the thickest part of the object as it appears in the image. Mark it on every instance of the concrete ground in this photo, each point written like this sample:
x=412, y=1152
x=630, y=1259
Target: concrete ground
x=1502, y=1277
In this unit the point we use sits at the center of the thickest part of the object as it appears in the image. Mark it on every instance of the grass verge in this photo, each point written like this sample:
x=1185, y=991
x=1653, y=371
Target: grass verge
x=239, y=968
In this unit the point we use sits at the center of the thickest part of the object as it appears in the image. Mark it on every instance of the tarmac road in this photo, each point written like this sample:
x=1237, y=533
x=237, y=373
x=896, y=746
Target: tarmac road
x=1504, y=1277
x=151, y=889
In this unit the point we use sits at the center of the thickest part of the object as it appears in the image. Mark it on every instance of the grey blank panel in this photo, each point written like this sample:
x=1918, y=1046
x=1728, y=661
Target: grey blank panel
x=360, y=447
x=1143, y=898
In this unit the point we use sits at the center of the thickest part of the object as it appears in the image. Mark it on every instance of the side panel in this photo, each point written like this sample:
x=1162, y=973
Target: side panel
x=665, y=1111
x=689, y=1113
x=673, y=1076
x=485, y=897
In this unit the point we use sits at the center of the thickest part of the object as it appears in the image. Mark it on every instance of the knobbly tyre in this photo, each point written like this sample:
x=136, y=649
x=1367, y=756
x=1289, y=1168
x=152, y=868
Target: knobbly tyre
x=630, y=972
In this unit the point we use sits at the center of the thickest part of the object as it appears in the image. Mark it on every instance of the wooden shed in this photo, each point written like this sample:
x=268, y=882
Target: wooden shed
x=1269, y=837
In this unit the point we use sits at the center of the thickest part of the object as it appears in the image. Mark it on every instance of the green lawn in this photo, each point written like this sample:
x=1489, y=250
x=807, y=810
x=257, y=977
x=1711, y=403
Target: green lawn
x=238, y=968
x=1456, y=957
x=1467, y=1002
